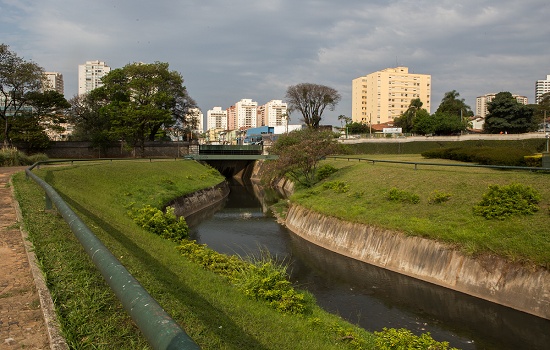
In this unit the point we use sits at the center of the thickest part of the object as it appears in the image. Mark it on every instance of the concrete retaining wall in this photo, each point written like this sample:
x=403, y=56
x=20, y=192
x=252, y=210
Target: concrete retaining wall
x=489, y=278
x=189, y=205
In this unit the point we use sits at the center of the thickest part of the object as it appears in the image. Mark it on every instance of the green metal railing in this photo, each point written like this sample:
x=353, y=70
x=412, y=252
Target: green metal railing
x=160, y=330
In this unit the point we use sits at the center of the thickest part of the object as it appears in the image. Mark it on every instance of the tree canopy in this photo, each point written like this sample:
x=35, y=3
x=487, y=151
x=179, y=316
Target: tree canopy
x=299, y=153
x=407, y=119
x=26, y=109
x=507, y=115
x=451, y=104
x=136, y=103
x=18, y=78
x=311, y=100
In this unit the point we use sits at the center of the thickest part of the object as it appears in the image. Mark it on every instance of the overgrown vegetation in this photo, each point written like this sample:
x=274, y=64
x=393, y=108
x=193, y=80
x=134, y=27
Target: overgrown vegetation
x=397, y=195
x=403, y=339
x=164, y=224
x=10, y=156
x=500, y=202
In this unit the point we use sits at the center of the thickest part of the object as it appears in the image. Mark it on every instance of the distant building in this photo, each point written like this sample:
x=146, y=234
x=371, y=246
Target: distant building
x=246, y=113
x=482, y=103
x=382, y=96
x=541, y=87
x=196, y=120
x=216, y=118
x=54, y=81
x=272, y=113
x=90, y=74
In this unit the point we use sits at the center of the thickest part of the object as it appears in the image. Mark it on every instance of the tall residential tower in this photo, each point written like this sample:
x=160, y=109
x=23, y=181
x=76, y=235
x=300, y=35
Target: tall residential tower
x=541, y=87
x=90, y=74
x=382, y=96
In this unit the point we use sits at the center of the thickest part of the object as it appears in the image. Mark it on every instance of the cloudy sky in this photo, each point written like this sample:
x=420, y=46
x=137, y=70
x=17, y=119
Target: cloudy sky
x=229, y=50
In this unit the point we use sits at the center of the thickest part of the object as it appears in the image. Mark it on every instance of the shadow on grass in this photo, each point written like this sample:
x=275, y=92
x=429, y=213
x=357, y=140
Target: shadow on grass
x=231, y=334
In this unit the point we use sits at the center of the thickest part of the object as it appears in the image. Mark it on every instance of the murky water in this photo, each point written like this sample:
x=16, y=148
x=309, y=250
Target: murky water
x=364, y=294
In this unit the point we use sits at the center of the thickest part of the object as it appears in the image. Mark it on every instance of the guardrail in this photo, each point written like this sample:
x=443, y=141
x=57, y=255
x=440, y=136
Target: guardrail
x=416, y=164
x=160, y=330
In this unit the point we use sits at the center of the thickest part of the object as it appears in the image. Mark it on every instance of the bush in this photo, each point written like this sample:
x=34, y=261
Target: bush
x=261, y=280
x=325, y=171
x=337, y=186
x=437, y=197
x=403, y=339
x=534, y=161
x=397, y=195
x=166, y=225
x=500, y=202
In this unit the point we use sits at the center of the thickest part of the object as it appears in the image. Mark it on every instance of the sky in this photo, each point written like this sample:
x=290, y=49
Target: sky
x=230, y=50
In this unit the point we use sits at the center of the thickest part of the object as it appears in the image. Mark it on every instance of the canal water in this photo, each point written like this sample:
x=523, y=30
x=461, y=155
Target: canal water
x=368, y=296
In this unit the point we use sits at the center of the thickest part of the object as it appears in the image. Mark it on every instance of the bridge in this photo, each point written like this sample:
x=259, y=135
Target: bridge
x=231, y=160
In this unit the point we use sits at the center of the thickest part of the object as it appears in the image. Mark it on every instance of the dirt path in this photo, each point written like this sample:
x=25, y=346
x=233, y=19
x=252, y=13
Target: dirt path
x=26, y=311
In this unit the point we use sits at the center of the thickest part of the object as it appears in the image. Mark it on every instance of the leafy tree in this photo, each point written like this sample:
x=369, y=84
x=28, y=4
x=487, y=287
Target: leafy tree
x=451, y=104
x=311, y=100
x=407, y=118
x=18, y=79
x=89, y=123
x=506, y=114
x=542, y=109
x=299, y=154
x=424, y=123
x=448, y=123
x=344, y=120
x=139, y=102
x=357, y=128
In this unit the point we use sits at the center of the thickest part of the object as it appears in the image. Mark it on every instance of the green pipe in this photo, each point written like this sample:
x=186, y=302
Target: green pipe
x=160, y=330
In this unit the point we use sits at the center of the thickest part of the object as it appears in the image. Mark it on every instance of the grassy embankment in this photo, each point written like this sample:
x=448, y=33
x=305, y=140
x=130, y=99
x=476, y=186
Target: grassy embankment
x=523, y=239
x=211, y=311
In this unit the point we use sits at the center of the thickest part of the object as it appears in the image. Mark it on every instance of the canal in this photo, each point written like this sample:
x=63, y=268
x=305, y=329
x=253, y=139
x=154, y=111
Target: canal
x=368, y=296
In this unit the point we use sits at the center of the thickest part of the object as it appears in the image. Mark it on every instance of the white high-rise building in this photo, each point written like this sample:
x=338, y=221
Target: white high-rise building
x=90, y=74
x=274, y=113
x=246, y=113
x=541, y=87
x=54, y=81
x=216, y=118
x=482, y=102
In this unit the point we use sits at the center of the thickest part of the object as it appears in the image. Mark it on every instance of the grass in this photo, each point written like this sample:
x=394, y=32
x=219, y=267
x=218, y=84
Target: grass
x=210, y=310
x=524, y=239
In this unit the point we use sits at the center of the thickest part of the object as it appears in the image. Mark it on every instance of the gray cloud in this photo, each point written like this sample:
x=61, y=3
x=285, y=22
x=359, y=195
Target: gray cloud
x=256, y=49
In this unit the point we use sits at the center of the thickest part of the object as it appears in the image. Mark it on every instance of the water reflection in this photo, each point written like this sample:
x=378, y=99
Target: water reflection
x=364, y=294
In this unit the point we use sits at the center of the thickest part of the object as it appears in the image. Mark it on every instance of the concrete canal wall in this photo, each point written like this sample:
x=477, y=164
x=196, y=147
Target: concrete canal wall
x=491, y=278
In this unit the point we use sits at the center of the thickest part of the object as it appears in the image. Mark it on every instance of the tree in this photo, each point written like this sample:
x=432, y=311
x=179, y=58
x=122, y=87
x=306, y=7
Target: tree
x=18, y=80
x=299, y=153
x=542, y=109
x=424, y=123
x=89, y=123
x=139, y=102
x=451, y=104
x=407, y=119
x=445, y=123
x=311, y=100
x=507, y=115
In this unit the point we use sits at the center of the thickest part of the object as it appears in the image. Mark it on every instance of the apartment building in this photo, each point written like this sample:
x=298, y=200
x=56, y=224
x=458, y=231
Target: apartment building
x=216, y=118
x=382, y=96
x=54, y=81
x=541, y=87
x=482, y=102
x=272, y=113
x=90, y=74
x=246, y=116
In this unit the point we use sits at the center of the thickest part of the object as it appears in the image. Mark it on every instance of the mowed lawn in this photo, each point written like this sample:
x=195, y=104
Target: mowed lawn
x=523, y=239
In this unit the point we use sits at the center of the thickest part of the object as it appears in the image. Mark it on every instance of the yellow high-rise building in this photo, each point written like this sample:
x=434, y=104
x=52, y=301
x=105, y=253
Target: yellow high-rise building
x=382, y=96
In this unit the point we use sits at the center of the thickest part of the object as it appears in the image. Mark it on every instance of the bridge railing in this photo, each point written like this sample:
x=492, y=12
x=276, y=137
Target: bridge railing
x=160, y=330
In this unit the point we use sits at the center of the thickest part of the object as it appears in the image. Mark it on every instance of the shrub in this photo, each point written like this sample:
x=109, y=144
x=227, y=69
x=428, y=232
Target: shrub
x=534, y=160
x=261, y=280
x=403, y=339
x=437, y=197
x=500, y=202
x=166, y=224
x=336, y=186
x=397, y=195
x=325, y=171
